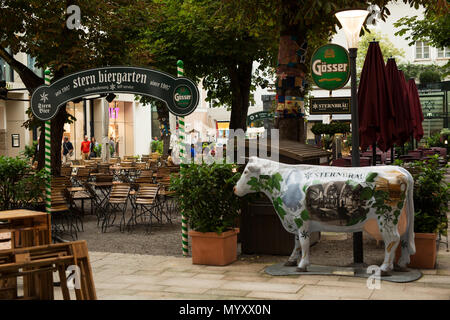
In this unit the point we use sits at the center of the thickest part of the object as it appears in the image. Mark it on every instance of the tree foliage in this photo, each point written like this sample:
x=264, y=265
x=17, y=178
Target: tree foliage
x=215, y=48
x=38, y=28
x=388, y=49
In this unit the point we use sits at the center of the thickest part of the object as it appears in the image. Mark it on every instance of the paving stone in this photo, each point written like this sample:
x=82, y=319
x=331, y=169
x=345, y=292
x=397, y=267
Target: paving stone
x=323, y=292
x=110, y=286
x=194, y=283
x=261, y=286
x=226, y=292
x=177, y=274
x=185, y=289
x=136, y=279
x=273, y=295
x=146, y=287
x=434, y=279
x=209, y=276
x=296, y=280
x=246, y=278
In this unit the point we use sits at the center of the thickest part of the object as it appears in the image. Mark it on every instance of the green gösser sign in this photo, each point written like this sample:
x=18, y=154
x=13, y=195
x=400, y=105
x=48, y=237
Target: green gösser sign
x=182, y=96
x=330, y=67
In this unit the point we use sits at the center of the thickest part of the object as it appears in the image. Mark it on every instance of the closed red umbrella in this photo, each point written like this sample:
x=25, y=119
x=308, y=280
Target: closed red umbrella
x=375, y=107
x=398, y=99
x=416, y=108
x=409, y=115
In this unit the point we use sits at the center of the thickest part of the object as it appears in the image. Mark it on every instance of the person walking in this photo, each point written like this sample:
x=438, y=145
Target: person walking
x=92, y=146
x=85, y=148
x=112, y=146
x=67, y=150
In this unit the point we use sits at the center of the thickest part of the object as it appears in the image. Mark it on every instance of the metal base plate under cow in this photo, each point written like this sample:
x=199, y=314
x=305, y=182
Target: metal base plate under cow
x=280, y=269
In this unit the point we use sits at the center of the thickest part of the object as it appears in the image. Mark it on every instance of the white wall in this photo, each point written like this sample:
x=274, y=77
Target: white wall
x=142, y=128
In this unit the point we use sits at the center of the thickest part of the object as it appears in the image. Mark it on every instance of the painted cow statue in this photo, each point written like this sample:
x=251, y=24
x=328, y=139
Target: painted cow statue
x=312, y=198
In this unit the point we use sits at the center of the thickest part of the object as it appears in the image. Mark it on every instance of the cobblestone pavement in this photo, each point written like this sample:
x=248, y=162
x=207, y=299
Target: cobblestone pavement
x=120, y=276
x=132, y=276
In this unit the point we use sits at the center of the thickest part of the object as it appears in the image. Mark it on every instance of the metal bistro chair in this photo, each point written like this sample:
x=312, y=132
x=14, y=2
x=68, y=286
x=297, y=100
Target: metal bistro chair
x=146, y=199
x=117, y=201
x=82, y=175
x=96, y=202
x=168, y=206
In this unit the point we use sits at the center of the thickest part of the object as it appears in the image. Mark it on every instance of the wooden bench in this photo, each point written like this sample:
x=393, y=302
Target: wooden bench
x=37, y=264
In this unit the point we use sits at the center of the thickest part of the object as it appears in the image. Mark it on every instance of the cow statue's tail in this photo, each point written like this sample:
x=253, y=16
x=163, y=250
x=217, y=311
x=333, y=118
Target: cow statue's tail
x=407, y=239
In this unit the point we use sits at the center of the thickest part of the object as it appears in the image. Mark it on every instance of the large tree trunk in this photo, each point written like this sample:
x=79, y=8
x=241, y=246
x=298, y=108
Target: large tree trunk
x=290, y=76
x=240, y=79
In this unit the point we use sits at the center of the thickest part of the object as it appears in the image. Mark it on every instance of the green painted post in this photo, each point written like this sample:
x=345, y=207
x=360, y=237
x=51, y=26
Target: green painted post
x=48, y=148
x=181, y=136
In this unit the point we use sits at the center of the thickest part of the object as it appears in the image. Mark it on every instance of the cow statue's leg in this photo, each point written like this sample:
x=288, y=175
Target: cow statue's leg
x=304, y=237
x=295, y=255
x=391, y=238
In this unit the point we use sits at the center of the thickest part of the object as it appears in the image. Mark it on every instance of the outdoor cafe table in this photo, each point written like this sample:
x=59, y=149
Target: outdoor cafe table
x=28, y=228
x=122, y=170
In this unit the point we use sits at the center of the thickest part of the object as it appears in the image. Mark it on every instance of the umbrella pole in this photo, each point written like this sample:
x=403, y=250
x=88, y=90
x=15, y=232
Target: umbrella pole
x=392, y=155
x=374, y=154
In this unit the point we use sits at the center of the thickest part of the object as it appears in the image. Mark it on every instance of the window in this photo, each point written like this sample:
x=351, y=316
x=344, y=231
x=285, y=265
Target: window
x=443, y=52
x=31, y=63
x=6, y=72
x=422, y=50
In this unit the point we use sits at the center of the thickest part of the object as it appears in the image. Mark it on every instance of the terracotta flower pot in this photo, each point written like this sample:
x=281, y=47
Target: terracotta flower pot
x=426, y=251
x=210, y=248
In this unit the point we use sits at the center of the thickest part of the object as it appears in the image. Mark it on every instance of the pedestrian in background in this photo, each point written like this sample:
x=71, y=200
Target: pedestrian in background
x=93, y=145
x=85, y=148
x=67, y=150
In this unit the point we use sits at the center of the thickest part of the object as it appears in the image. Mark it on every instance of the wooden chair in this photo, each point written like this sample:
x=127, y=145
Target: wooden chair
x=66, y=171
x=146, y=199
x=60, y=208
x=117, y=201
x=82, y=175
x=103, y=168
x=162, y=173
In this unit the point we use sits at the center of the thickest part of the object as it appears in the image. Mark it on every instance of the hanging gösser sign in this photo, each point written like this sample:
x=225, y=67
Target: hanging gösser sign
x=179, y=94
x=330, y=68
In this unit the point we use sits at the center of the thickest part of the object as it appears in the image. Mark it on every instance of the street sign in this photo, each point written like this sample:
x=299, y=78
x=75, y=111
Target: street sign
x=330, y=68
x=334, y=105
x=179, y=94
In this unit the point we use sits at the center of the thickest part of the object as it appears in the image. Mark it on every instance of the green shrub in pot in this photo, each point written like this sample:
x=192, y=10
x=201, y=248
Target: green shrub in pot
x=431, y=196
x=205, y=196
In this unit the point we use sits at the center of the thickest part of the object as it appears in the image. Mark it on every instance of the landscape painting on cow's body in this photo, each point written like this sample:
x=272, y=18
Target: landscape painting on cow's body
x=311, y=198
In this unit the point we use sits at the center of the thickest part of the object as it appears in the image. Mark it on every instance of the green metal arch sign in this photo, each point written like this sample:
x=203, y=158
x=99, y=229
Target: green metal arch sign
x=179, y=94
x=259, y=116
x=330, y=68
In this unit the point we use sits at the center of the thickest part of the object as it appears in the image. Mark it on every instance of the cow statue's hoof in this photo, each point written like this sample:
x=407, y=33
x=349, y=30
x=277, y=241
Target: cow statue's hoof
x=400, y=269
x=385, y=273
x=290, y=263
x=301, y=269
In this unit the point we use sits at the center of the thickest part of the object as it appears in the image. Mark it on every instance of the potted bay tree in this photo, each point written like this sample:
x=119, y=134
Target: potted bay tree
x=431, y=196
x=205, y=196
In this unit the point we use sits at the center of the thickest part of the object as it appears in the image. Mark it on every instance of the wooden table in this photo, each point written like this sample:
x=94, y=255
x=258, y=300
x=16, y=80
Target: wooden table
x=27, y=229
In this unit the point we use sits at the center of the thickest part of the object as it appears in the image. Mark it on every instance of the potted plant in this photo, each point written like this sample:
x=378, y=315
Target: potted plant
x=431, y=196
x=206, y=198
